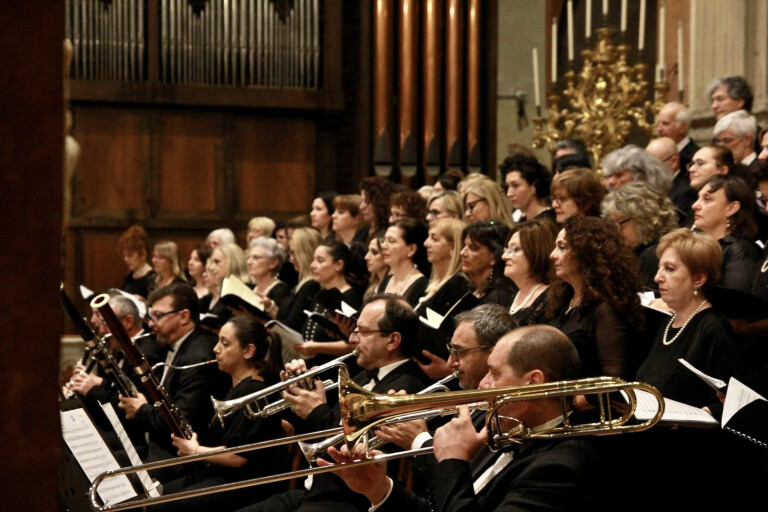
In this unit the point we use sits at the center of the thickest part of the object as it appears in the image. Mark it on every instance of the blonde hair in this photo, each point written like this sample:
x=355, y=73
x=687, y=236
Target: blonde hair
x=303, y=243
x=498, y=203
x=451, y=201
x=263, y=224
x=451, y=230
x=235, y=261
x=170, y=251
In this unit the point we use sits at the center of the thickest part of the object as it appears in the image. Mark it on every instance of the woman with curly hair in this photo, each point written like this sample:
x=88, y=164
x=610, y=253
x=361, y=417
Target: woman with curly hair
x=374, y=206
x=644, y=214
x=576, y=192
x=595, y=301
x=632, y=163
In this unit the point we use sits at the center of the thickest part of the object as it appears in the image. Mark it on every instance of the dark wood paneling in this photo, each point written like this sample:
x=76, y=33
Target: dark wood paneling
x=31, y=162
x=109, y=174
x=190, y=149
x=275, y=164
x=102, y=265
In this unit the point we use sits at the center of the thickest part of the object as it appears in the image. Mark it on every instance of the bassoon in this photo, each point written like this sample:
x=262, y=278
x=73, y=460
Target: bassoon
x=156, y=393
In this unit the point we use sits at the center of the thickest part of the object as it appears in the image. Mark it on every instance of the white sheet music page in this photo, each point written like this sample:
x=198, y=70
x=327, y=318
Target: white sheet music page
x=94, y=457
x=674, y=411
x=738, y=397
x=130, y=450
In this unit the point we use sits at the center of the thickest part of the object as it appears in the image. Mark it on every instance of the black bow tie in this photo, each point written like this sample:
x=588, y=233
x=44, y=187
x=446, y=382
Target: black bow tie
x=373, y=375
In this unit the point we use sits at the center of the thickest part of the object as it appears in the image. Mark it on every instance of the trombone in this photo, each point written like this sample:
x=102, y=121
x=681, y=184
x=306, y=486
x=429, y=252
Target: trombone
x=363, y=411
x=253, y=402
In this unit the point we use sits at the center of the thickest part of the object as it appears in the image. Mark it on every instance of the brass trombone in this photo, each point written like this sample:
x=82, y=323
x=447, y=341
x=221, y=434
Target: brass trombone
x=363, y=410
x=257, y=404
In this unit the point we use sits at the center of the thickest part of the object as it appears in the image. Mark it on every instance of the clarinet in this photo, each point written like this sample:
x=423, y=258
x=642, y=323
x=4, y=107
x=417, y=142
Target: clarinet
x=168, y=410
x=96, y=348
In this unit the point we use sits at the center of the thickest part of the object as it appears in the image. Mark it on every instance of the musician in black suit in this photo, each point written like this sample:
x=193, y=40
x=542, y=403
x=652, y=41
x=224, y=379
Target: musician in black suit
x=174, y=318
x=545, y=475
x=385, y=346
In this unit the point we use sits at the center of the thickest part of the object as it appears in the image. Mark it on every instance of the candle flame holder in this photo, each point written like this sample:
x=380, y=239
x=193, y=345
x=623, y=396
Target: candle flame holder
x=603, y=100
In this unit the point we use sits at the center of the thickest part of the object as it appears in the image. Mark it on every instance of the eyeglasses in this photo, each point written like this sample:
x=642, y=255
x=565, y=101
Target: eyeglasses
x=457, y=352
x=512, y=250
x=156, y=317
x=727, y=141
x=357, y=332
x=471, y=206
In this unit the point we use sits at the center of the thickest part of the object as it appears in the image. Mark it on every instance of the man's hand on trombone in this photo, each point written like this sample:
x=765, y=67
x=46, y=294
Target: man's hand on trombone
x=370, y=480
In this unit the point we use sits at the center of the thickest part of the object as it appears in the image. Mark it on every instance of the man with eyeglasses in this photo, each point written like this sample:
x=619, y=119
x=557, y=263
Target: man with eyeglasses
x=477, y=332
x=174, y=317
x=737, y=132
x=552, y=474
x=385, y=342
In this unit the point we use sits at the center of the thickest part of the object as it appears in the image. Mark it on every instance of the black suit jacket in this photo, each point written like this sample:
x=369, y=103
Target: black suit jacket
x=686, y=155
x=329, y=492
x=190, y=390
x=683, y=195
x=545, y=475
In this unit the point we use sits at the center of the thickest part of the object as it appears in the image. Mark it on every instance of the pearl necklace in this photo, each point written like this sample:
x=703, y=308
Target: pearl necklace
x=666, y=330
x=513, y=309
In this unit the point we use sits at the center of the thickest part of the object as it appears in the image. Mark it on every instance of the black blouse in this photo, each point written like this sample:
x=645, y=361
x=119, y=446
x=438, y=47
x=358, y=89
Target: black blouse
x=739, y=259
x=413, y=293
x=139, y=286
x=706, y=343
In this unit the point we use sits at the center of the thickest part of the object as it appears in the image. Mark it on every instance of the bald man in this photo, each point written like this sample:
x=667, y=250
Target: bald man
x=673, y=121
x=682, y=194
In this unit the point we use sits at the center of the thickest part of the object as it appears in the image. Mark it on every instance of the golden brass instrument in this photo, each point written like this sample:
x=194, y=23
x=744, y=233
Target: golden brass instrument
x=363, y=410
x=257, y=404
x=313, y=451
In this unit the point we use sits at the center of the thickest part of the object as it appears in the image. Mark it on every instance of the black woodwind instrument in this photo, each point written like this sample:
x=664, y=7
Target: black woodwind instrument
x=156, y=393
x=96, y=347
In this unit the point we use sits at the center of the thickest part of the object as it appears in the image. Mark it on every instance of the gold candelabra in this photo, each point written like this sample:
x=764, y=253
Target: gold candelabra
x=604, y=99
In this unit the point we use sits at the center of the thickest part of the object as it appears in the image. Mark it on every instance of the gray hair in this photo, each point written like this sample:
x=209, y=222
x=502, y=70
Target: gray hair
x=123, y=306
x=642, y=165
x=683, y=115
x=737, y=87
x=274, y=250
x=652, y=210
x=225, y=234
x=491, y=322
x=739, y=122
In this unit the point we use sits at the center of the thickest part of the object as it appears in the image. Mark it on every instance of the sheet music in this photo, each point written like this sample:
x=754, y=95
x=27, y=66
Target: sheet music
x=674, y=411
x=130, y=450
x=139, y=304
x=94, y=457
x=433, y=319
x=738, y=397
x=712, y=382
x=86, y=292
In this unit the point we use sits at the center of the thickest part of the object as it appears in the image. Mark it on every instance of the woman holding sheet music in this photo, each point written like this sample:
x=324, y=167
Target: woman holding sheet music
x=245, y=352
x=339, y=268
x=226, y=260
x=689, y=270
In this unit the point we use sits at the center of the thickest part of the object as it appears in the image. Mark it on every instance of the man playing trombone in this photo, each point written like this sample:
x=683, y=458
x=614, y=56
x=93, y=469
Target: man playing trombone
x=385, y=345
x=541, y=474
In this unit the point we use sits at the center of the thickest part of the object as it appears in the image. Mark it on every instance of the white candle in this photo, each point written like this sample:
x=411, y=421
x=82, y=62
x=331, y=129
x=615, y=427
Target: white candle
x=554, y=50
x=641, y=35
x=536, y=96
x=680, y=56
x=570, y=30
x=623, y=15
x=662, y=21
x=605, y=8
x=588, y=21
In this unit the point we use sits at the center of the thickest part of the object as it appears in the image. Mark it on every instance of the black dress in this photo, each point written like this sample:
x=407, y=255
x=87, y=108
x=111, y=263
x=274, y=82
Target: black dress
x=413, y=293
x=139, y=286
x=739, y=259
x=760, y=284
x=706, y=343
x=601, y=337
x=533, y=314
x=292, y=308
x=446, y=296
x=238, y=430
x=648, y=265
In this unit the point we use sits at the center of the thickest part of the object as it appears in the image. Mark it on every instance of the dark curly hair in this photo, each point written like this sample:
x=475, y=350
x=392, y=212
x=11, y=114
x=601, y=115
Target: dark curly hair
x=378, y=190
x=413, y=203
x=608, y=268
x=532, y=171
